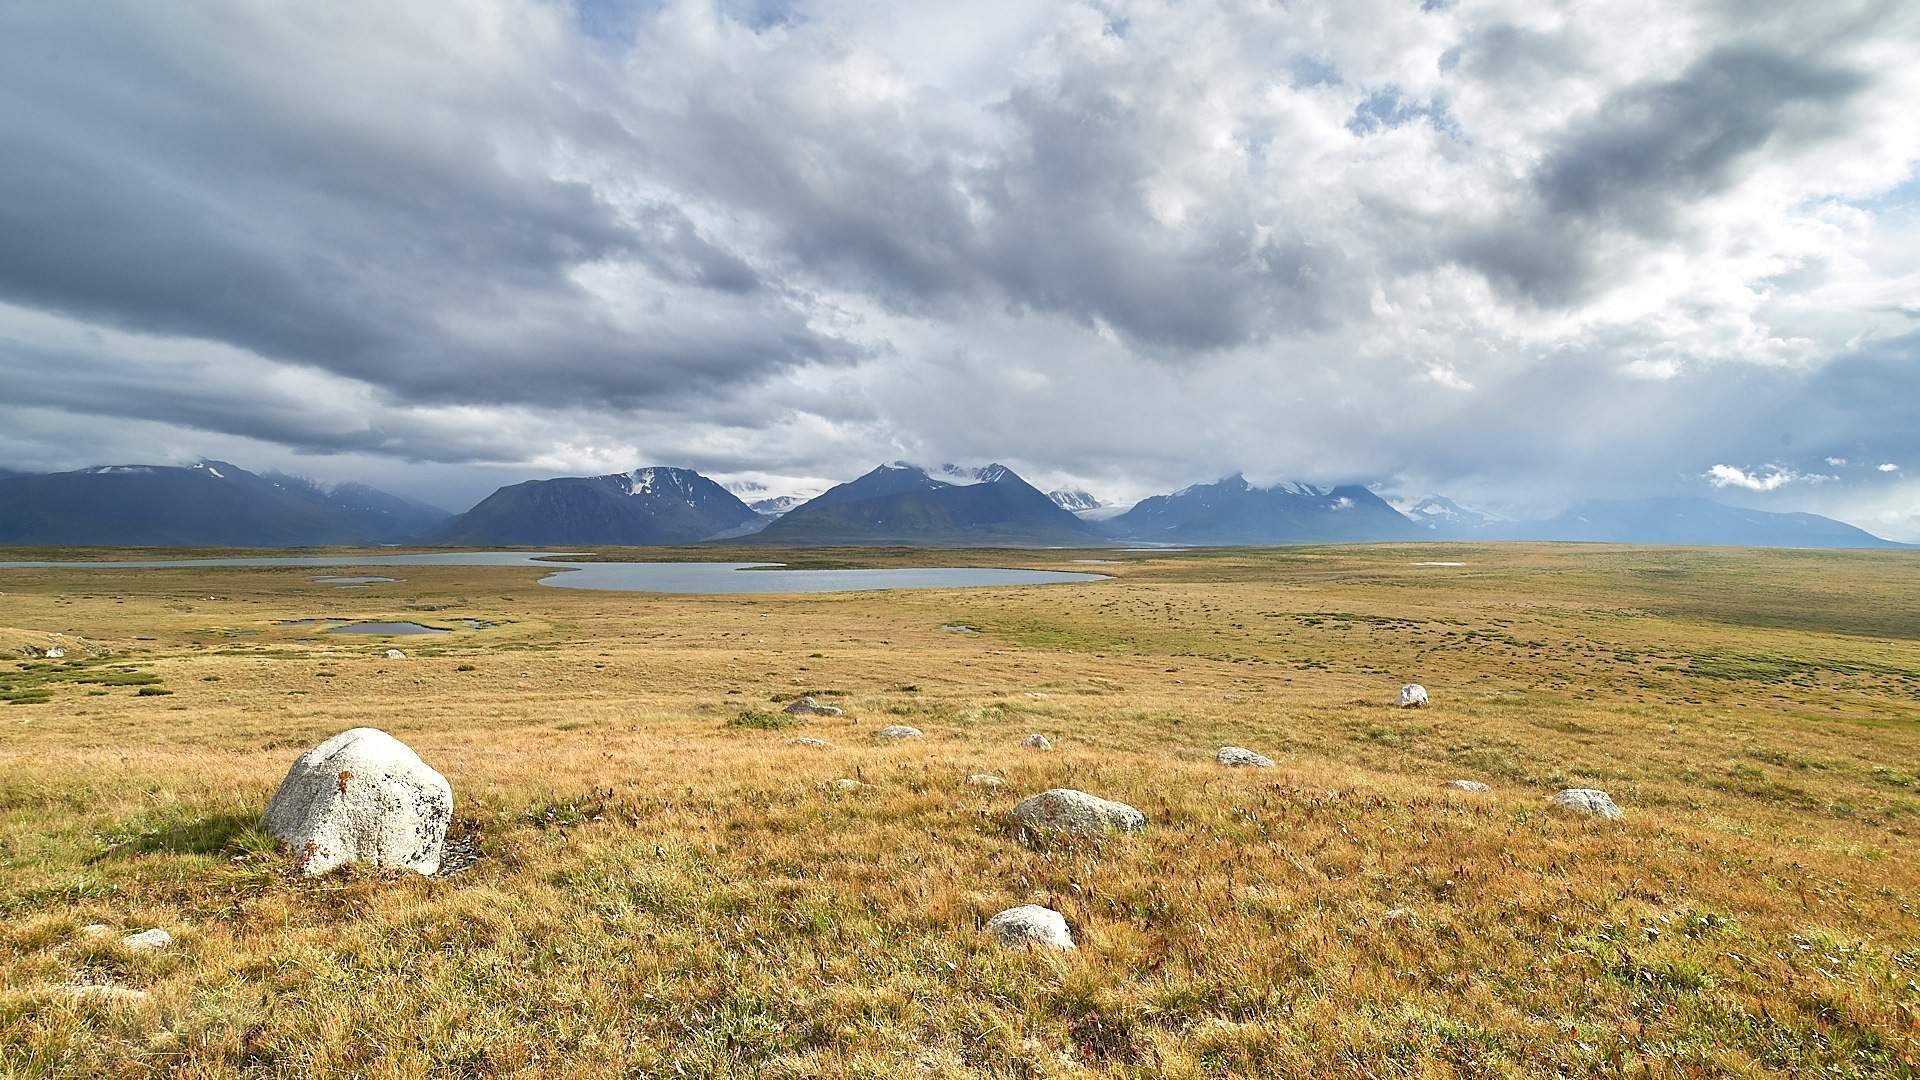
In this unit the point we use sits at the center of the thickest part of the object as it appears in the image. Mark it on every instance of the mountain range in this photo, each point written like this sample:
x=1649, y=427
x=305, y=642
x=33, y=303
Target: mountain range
x=217, y=504
x=207, y=504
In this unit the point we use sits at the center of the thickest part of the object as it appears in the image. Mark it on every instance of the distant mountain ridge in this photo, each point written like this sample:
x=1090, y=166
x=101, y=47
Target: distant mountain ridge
x=1696, y=522
x=1233, y=511
x=647, y=506
x=207, y=504
x=900, y=503
x=215, y=503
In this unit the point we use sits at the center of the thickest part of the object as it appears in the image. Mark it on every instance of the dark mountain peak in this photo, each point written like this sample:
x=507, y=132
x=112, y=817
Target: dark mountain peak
x=1232, y=510
x=904, y=503
x=652, y=505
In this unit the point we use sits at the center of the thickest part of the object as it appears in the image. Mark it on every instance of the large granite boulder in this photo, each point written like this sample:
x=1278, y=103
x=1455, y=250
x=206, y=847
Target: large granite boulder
x=361, y=797
x=1064, y=810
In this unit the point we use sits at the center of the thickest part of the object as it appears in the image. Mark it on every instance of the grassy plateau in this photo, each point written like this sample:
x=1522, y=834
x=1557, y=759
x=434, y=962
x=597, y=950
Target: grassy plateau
x=657, y=882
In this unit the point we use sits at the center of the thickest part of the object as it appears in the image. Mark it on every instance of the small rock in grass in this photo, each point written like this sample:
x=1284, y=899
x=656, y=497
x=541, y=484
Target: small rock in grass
x=1064, y=810
x=845, y=786
x=96, y=929
x=898, y=731
x=1240, y=757
x=1474, y=786
x=362, y=796
x=806, y=706
x=396, y=654
x=1413, y=696
x=147, y=940
x=981, y=779
x=1588, y=801
x=1037, y=742
x=1031, y=926
x=808, y=740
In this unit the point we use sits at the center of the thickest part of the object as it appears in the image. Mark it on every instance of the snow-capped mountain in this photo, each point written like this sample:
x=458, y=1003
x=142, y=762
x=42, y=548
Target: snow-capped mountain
x=1233, y=511
x=900, y=503
x=1074, y=501
x=777, y=505
x=1443, y=515
x=649, y=506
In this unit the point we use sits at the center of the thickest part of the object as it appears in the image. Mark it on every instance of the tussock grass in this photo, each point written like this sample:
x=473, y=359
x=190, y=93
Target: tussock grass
x=665, y=890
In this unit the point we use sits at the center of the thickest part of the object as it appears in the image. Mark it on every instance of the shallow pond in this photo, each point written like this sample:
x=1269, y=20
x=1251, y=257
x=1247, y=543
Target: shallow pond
x=714, y=577
x=385, y=628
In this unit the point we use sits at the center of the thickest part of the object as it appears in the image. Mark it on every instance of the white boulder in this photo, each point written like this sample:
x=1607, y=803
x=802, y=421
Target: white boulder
x=56, y=653
x=1031, y=926
x=1413, y=696
x=1064, y=810
x=396, y=654
x=1239, y=757
x=1037, y=742
x=898, y=731
x=846, y=786
x=361, y=797
x=1474, y=786
x=1588, y=801
x=147, y=940
x=806, y=706
x=809, y=741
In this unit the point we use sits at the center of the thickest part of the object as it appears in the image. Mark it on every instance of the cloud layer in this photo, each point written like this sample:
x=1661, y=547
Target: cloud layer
x=1517, y=252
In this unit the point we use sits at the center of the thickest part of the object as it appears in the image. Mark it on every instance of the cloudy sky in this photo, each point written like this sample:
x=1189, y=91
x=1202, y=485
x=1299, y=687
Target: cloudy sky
x=1517, y=252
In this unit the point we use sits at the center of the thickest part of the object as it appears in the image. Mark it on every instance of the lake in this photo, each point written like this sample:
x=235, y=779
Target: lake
x=705, y=578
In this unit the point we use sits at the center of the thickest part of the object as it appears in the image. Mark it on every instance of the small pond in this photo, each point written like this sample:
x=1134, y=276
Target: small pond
x=385, y=628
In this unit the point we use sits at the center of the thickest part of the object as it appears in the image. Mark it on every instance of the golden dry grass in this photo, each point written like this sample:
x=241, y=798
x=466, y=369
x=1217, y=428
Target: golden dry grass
x=663, y=893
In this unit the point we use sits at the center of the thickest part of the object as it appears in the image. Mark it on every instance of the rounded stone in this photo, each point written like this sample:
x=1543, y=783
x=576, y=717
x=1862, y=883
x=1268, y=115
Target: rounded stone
x=1474, y=786
x=1031, y=926
x=1413, y=696
x=361, y=797
x=1588, y=801
x=898, y=731
x=1037, y=742
x=147, y=940
x=1065, y=810
x=1239, y=757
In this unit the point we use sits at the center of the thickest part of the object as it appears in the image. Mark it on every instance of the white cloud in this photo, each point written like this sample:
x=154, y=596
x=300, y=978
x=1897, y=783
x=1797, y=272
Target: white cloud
x=1722, y=476
x=1651, y=370
x=1837, y=462
x=1889, y=467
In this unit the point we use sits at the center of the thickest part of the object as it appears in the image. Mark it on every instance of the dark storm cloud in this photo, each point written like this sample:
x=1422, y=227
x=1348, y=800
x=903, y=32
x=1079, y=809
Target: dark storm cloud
x=1648, y=153
x=168, y=188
